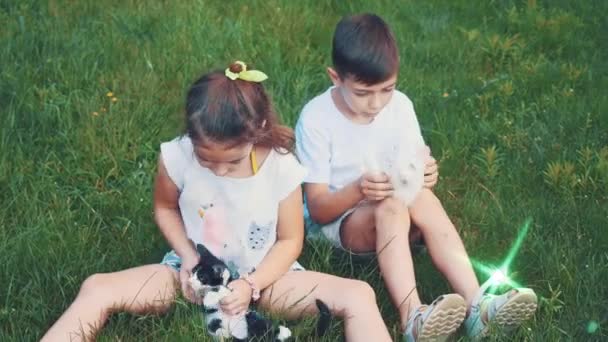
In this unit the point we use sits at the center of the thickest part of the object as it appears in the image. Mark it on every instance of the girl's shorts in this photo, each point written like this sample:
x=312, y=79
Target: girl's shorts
x=172, y=260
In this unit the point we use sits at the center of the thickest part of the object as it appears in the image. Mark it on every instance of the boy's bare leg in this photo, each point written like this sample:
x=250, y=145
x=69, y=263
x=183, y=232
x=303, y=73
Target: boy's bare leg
x=295, y=293
x=145, y=289
x=384, y=227
x=444, y=244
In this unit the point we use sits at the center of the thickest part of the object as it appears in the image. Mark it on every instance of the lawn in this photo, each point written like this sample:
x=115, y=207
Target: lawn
x=511, y=97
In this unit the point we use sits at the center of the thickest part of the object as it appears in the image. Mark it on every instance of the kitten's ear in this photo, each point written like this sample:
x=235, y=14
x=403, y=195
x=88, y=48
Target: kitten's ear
x=201, y=250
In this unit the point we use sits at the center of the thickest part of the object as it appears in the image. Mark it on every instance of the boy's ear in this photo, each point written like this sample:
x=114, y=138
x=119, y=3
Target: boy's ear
x=333, y=76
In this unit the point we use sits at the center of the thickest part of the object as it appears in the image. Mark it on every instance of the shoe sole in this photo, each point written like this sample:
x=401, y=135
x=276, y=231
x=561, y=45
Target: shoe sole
x=517, y=310
x=446, y=318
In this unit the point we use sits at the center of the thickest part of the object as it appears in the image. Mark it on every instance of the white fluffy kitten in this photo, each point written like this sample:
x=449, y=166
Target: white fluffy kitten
x=404, y=167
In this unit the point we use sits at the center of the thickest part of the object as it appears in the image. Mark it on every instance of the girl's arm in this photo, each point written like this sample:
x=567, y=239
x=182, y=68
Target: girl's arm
x=167, y=215
x=287, y=248
x=169, y=221
x=284, y=252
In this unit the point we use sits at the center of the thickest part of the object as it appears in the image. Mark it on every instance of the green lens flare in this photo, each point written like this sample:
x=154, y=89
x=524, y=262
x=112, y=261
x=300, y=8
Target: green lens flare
x=498, y=276
x=515, y=248
x=593, y=327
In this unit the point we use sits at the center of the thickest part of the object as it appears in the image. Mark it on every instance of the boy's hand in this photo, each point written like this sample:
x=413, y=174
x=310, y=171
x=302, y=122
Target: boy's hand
x=238, y=301
x=431, y=172
x=184, y=276
x=375, y=186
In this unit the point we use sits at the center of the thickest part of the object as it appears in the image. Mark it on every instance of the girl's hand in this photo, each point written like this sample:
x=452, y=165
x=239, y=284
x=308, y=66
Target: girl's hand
x=184, y=277
x=238, y=301
x=431, y=172
x=375, y=186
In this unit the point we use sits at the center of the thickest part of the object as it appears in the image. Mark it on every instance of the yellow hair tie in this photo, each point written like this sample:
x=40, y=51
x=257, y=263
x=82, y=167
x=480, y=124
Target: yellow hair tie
x=246, y=75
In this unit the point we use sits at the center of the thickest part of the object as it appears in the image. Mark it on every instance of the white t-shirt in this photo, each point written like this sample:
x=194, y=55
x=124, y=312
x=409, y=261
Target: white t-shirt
x=248, y=207
x=332, y=147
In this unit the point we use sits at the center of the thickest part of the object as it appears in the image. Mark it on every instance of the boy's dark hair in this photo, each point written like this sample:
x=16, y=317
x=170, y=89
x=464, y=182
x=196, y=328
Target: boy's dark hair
x=364, y=47
x=234, y=111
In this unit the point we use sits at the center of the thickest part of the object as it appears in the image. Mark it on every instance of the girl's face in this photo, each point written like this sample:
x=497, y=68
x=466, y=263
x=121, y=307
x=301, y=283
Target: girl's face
x=225, y=159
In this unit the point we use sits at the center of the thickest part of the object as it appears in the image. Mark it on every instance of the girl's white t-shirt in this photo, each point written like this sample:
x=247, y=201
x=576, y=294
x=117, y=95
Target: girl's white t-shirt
x=247, y=208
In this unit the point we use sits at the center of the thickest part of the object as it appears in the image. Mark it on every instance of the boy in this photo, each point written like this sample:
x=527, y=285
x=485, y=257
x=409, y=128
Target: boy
x=356, y=211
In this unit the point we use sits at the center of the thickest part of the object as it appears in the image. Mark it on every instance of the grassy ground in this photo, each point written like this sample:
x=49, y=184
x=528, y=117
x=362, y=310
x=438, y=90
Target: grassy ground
x=511, y=96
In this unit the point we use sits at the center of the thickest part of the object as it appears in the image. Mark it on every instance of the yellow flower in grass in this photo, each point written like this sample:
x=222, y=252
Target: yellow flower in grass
x=95, y=114
x=110, y=94
x=445, y=94
x=114, y=99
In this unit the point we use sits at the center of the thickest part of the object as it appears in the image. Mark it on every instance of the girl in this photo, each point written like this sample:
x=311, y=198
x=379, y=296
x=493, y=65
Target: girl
x=235, y=163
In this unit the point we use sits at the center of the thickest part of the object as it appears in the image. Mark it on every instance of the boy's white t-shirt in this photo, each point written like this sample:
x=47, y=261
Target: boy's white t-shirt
x=332, y=147
x=246, y=207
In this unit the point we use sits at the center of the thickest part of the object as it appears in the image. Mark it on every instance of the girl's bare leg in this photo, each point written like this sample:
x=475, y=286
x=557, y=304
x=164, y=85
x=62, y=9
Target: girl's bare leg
x=295, y=293
x=145, y=289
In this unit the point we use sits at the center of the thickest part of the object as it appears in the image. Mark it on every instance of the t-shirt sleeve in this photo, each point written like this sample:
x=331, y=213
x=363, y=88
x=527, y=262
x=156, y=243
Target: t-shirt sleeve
x=290, y=174
x=411, y=121
x=313, y=150
x=176, y=155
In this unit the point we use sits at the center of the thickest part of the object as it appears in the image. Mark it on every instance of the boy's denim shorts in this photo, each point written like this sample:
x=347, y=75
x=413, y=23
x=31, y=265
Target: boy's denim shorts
x=330, y=231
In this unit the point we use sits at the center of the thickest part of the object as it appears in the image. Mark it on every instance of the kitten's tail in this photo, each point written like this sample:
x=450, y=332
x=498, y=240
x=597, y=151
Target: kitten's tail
x=324, y=318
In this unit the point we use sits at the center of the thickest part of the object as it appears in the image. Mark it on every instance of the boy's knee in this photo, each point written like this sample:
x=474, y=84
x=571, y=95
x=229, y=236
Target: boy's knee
x=426, y=197
x=392, y=208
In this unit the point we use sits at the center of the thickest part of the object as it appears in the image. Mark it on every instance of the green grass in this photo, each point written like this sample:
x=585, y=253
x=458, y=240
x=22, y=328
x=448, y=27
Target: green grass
x=511, y=96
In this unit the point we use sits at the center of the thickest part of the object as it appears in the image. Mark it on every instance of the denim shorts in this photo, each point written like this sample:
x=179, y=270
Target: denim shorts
x=172, y=260
x=331, y=232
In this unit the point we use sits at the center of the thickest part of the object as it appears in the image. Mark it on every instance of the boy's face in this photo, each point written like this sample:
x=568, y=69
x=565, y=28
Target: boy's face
x=363, y=100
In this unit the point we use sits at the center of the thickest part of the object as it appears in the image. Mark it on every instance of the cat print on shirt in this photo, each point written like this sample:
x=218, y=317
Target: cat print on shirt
x=259, y=234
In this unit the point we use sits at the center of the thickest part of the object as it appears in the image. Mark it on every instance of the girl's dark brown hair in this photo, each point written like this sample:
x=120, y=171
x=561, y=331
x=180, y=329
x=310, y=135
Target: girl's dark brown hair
x=234, y=111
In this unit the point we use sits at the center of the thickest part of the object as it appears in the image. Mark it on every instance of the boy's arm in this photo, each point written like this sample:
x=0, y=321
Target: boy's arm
x=325, y=206
x=313, y=149
x=431, y=170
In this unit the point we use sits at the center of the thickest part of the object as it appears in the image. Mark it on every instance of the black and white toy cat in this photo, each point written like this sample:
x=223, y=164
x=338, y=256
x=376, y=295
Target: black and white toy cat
x=209, y=279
